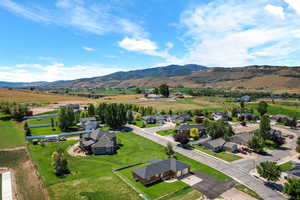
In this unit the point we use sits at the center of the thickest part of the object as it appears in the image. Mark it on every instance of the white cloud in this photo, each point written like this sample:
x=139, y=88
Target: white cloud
x=236, y=33
x=88, y=49
x=52, y=72
x=139, y=45
x=275, y=10
x=94, y=18
x=295, y=4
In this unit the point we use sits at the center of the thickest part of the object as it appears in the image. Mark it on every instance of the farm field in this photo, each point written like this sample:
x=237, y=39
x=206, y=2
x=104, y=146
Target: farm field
x=26, y=96
x=222, y=155
x=12, y=134
x=29, y=187
x=92, y=176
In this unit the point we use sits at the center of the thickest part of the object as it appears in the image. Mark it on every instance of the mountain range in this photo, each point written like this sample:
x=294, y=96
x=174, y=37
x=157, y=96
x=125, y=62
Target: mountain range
x=191, y=75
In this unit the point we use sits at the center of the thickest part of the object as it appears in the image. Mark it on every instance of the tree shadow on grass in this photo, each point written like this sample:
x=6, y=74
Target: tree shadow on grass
x=5, y=118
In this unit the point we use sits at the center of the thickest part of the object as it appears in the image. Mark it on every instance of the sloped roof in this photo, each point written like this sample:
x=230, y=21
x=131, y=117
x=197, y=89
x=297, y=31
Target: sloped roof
x=217, y=142
x=158, y=167
x=188, y=127
x=99, y=138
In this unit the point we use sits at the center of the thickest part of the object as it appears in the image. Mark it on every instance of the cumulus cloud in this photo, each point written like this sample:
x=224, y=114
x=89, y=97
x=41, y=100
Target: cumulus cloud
x=140, y=45
x=52, y=72
x=295, y=4
x=88, y=48
x=236, y=33
x=275, y=10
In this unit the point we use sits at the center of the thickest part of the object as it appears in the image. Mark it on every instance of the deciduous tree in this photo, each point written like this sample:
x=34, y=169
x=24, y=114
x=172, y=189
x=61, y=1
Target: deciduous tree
x=269, y=170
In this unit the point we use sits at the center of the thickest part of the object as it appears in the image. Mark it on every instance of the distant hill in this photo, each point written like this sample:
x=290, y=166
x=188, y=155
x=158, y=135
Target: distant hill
x=4, y=84
x=193, y=76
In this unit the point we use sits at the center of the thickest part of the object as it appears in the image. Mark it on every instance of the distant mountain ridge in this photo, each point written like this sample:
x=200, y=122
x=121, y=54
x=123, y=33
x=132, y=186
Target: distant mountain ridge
x=192, y=75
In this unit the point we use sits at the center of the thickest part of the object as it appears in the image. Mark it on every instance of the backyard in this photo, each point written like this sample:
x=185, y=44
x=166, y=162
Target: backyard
x=92, y=176
x=11, y=133
x=222, y=155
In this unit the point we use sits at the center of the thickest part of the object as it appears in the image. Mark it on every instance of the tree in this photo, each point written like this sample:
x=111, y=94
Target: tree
x=182, y=138
x=66, y=118
x=52, y=123
x=264, y=127
x=28, y=132
x=256, y=143
x=156, y=91
x=91, y=110
x=242, y=106
x=262, y=108
x=269, y=170
x=164, y=90
x=25, y=126
x=169, y=150
x=234, y=112
x=217, y=129
x=83, y=114
x=194, y=133
x=138, y=91
x=60, y=163
x=292, y=188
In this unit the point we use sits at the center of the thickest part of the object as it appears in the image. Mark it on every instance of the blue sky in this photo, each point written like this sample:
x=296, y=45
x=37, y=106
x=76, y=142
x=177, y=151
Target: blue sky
x=69, y=39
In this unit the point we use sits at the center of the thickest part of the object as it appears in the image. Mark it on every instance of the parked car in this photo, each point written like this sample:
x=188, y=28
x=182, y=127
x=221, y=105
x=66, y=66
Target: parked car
x=243, y=151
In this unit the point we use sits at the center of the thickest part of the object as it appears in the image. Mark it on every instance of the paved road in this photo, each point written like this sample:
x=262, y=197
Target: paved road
x=274, y=155
x=237, y=174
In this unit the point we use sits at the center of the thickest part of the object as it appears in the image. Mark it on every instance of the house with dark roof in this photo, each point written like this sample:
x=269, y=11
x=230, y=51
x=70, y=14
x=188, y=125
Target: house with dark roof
x=220, y=116
x=248, y=117
x=99, y=142
x=154, y=119
x=181, y=118
x=160, y=170
x=185, y=129
x=215, y=145
x=89, y=123
x=242, y=138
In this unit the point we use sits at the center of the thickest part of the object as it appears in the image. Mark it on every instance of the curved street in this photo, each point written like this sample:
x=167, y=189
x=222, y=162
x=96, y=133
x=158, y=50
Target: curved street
x=231, y=170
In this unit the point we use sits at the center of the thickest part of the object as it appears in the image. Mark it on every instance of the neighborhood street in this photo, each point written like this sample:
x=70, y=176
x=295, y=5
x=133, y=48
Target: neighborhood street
x=231, y=170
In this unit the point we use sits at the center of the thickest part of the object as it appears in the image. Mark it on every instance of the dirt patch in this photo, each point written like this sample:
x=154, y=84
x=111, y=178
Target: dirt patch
x=13, y=149
x=75, y=150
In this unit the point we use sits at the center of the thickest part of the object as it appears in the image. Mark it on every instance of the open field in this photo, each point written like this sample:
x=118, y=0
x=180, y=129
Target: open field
x=28, y=185
x=222, y=155
x=26, y=96
x=92, y=176
x=44, y=130
x=11, y=133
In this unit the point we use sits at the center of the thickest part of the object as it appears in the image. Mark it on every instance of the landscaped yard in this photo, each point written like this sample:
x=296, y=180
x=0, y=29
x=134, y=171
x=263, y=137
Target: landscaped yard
x=141, y=124
x=11, y=133
x=222, y=155
x=92, y=176
x=166, y=132
x=286, y=166
x=248, y=191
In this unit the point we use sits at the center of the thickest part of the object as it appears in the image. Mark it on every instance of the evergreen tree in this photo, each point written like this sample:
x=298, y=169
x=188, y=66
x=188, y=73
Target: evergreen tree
x=262, y=108
x=91, y=110
x=265, y=127
x=269, y=170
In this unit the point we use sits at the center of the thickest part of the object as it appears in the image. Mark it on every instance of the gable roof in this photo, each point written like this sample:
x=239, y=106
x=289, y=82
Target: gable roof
x=188, y=127
x=242, y=138
x=216, y=142
x=99, y=138
x=158, y=167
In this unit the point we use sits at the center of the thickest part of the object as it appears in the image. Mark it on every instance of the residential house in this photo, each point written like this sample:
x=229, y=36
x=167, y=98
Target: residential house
x=185, y=128
x=245, y=98
x=99, y=142
x=154, y=119
x=89, y=123
x=230, y=147
x=248, y=116
x=181, y=118
x=220, y=115
x=160, y=170
x=215, y=145
x=242, y=138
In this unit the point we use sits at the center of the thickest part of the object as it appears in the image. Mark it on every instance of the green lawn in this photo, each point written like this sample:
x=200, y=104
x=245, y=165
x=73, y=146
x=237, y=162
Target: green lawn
x=286, y=166
x=166, y=132
x=141, y=124
x=11, y=133
x=248, y=191
x=92, y=176
x=222, y=155
x=0, y=186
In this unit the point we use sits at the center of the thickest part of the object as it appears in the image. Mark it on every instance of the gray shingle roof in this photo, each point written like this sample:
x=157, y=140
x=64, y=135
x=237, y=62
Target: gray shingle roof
x=99, y=138
x=188, y=127
x=217, y=142
x=152, y=169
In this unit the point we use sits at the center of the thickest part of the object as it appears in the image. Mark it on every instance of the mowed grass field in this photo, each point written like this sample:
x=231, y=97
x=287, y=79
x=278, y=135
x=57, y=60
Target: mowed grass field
x=44, y=130
x=92, y=176
x=27, y=96
x=11, y=133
